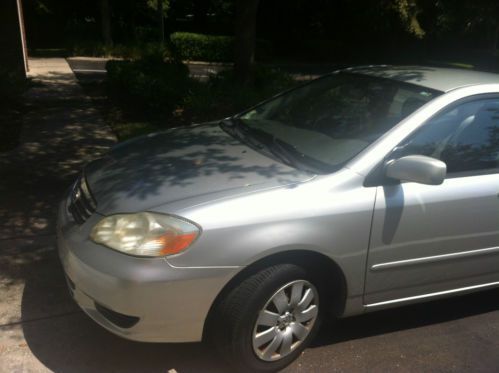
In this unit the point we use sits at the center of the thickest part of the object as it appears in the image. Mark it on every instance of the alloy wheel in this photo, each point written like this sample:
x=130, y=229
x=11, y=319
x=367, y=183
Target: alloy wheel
x=286, y=320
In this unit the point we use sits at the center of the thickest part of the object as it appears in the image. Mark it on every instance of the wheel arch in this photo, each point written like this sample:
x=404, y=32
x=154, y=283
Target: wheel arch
x=321, y=265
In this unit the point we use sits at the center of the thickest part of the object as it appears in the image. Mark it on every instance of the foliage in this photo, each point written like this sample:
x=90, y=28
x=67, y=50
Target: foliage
x=149, y=83
x=188, y=46
x=153, y=4
x=127, y=51
x=476, y=20
x=201, y=47
x=222, y=95
x=409, y=11
x=161, y=92
x=361, y=28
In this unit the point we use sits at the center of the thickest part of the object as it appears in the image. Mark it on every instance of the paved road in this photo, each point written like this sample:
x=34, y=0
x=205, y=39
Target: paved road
x=42, y=330
x=456, y=335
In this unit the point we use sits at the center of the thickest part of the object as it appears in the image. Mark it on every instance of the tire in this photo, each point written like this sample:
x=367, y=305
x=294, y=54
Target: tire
x=246, y=318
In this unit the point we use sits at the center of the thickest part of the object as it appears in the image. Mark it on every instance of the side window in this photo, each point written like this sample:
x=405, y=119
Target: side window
x=465, y=137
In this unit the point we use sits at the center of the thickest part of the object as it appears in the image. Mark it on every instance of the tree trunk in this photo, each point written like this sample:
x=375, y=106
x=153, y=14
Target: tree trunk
x=161, y=22
x=200, y=10
x=133, y=21
x=105, y=15
x=246, y=11
x=494, y=39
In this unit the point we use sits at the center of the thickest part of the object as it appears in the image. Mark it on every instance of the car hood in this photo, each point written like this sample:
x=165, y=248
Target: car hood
x=180, y=164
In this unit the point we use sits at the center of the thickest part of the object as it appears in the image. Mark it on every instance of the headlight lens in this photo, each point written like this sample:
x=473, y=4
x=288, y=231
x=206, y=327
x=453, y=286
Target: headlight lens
x=145, y=234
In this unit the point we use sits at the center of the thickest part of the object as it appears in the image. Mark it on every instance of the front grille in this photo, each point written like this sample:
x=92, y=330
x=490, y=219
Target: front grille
x=81, y=204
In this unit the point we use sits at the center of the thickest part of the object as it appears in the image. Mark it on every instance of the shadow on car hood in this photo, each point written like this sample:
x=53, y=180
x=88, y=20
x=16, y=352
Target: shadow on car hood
x=178, y=164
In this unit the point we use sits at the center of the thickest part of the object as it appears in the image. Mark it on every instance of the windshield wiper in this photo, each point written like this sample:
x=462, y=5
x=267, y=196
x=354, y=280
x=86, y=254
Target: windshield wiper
x=274, y=146
x=292, y=156
x=237, y=130
x=241, y=132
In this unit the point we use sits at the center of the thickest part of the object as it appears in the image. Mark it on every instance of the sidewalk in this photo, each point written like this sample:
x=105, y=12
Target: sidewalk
x=41, y=328
x=61, y=131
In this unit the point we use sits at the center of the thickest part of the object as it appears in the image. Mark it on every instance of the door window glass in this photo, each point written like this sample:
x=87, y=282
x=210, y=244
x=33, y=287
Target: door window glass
x=465, y=137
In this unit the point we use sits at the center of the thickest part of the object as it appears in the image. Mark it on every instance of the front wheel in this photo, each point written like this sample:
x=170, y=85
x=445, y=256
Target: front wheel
x=265, y=322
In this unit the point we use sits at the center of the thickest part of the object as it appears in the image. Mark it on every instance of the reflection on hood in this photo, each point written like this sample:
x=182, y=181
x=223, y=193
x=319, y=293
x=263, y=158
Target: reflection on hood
x=179, y=164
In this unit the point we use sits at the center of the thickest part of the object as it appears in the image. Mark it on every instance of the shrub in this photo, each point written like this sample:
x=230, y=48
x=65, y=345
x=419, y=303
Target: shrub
x=222, y=96
x=190, y=46
x=164, y=94
x=129, y=51
x=185, y=45
x=149, y=83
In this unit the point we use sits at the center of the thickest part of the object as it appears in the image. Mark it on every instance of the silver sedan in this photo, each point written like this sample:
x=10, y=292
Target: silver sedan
x=368, y=188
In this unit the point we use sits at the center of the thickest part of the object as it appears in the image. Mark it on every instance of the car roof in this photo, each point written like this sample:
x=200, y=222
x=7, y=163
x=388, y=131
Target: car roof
x=437, y=78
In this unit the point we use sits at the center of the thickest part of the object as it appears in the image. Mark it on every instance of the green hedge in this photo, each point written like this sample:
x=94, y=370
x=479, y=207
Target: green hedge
x=132, y=51
x=200, y=47
x=163, y=93
x=222, y=96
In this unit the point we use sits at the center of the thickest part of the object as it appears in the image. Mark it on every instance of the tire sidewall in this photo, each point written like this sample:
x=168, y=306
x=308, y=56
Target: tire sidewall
x=243, y=333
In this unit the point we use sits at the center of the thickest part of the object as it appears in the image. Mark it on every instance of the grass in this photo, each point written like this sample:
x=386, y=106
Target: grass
x=126, y=124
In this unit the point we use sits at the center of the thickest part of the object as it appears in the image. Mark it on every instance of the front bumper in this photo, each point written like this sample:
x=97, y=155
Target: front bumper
x=156, y=301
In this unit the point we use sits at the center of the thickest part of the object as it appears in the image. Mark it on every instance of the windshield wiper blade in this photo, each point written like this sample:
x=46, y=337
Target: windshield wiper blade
x=288, y=156
x=228, y=125
x=296, y=158
x=242, y=132
x=274, y=146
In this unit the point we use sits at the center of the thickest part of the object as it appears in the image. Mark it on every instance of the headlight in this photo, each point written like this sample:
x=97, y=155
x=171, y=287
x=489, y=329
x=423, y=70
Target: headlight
x=145, y=234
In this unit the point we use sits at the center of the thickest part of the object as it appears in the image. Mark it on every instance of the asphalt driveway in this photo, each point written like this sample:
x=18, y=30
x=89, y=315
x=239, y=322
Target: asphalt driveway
x=41, y=329
x=47, y=332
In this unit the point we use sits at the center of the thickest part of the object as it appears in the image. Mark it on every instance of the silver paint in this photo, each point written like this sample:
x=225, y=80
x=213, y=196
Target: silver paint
x=394, y=244
x=417, y=169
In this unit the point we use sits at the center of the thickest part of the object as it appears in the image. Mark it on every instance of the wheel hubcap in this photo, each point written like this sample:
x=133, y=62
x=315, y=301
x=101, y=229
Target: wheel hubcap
x=286, y=320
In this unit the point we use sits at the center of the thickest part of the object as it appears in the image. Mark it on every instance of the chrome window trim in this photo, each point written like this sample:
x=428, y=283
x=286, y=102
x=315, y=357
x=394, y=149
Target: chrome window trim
x=432, y=295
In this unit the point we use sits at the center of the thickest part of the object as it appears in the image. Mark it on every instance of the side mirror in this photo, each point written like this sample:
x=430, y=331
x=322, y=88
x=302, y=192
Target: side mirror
x=418, y=169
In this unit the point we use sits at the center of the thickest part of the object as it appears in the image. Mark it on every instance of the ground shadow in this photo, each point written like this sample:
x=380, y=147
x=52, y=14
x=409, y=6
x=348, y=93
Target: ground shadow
x=61, y=132
x=71, y=342
x=408, y=317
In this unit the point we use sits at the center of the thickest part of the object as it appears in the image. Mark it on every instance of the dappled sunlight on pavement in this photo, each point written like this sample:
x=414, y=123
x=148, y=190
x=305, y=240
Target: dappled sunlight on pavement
x=62, y=131
x=41, y=328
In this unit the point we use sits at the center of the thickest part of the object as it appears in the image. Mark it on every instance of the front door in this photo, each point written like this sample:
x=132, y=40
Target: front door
x=427, y=240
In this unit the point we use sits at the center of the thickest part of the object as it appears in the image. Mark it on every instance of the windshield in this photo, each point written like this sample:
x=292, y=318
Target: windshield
x=330, y=120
